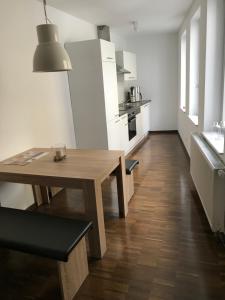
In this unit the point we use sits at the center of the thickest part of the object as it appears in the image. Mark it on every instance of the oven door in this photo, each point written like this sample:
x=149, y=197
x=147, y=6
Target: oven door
x=132, y=127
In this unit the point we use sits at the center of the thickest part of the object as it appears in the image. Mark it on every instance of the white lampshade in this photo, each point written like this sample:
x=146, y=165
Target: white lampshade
x=50, y=55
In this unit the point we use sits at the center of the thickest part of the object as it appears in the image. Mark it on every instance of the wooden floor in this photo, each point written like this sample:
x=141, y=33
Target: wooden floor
x=164, y=250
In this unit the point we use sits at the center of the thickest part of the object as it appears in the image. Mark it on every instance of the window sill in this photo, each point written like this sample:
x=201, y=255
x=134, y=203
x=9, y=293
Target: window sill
x=215, y=140
x=194, y=120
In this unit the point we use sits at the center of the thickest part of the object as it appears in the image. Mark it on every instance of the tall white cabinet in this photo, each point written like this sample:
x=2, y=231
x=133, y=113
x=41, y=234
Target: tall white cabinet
x=94, y=94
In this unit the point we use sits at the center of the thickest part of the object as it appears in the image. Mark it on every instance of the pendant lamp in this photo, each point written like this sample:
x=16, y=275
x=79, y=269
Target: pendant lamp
x=50, y=55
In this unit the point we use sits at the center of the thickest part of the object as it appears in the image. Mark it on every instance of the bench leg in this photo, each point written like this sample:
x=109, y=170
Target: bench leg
x=120, y=173
x=73, y=273
x=130, y=186
x=41, y=195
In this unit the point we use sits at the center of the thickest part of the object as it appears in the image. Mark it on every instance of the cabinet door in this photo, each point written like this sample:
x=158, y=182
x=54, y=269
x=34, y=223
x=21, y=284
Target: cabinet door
x=108, y=51
x=113, y=129
x=129, y=61
x=124, y=137
x=146, y=117
x=139, y=123
x=110, y=90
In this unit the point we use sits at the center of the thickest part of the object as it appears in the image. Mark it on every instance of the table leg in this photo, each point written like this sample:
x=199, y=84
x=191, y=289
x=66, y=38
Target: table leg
x=41, y=195
x=94, y=211
x=120, y=173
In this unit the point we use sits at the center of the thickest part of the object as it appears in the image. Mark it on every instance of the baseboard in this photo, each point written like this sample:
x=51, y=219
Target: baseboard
x=164, y=132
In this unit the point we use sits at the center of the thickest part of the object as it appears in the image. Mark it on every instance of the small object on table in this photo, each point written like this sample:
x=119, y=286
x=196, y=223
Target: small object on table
x=59, y=152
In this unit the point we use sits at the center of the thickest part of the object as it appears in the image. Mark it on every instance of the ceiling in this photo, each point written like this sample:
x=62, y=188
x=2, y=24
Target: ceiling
x=151, y=15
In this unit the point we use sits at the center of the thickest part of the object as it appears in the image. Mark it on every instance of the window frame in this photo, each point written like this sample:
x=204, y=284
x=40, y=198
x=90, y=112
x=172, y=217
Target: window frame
x=194, y=74
x=183, y=71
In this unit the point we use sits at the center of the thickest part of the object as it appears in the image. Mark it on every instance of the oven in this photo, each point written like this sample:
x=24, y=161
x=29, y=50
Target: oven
x=132, y=125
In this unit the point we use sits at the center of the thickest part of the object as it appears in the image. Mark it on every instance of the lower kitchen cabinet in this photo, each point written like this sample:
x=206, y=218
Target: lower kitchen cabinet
x=118, y=134
x=145, y=113
x=113, y=129
x=139, y=124
x=143, y=121
x=123, y=133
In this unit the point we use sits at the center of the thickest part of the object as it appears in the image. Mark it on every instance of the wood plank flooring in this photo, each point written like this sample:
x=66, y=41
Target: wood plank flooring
x=164, y=250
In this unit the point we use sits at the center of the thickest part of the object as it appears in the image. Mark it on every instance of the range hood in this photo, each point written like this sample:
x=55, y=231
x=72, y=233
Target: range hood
x=121, y=70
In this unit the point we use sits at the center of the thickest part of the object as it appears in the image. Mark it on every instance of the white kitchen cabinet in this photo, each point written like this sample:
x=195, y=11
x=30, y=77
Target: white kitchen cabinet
x=139, y=124
x=130, y=64
x=142, y=126
x=113, y=127
x=110, y=90
x=123, y=133
x=107, y=51
x=127, y=60
x=94, y=93
x=118, y=138
x=145, y=111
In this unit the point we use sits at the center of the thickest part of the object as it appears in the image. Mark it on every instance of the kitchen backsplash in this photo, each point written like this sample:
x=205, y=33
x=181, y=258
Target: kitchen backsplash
x=123, y=88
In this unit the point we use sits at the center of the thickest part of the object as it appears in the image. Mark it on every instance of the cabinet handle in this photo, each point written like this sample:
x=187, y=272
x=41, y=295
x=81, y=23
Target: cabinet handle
x=109, y=57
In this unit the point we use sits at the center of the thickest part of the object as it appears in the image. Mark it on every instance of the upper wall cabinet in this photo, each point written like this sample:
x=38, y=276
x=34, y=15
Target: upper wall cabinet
x=127, y=61
x=107, y=51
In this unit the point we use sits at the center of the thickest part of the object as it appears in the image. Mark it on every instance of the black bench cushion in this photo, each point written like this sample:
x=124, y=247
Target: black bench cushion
x=40, y=234
x=130, y=165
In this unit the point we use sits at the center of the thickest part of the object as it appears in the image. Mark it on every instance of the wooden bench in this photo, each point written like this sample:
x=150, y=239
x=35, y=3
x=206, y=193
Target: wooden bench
x=56, y=238
x=130, y=165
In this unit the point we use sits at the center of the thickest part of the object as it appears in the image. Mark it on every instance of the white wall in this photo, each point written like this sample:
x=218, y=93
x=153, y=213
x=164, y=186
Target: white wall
x=121, y=44
x=34, y=108
x=119, y=40
x=157, y=71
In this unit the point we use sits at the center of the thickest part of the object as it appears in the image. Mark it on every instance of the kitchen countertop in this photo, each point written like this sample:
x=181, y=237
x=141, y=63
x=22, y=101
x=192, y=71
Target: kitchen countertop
x=126, y=108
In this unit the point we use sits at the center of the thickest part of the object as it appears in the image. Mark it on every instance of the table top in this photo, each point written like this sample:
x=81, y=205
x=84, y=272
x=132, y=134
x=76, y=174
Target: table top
x=79, y=164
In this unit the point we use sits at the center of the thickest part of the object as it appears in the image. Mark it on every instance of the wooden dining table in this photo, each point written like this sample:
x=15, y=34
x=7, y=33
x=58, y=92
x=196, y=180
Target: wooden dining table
x=82, y=169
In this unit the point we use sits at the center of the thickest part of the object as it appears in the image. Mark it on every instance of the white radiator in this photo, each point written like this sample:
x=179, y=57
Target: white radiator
x=206, y=173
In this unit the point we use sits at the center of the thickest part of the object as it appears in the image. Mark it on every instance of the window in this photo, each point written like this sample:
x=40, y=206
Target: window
x=183, y=60
x=214, y=101
x=194, y=67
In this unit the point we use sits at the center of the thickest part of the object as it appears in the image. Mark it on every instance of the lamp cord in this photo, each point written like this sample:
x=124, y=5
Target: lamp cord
x=45, y=11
